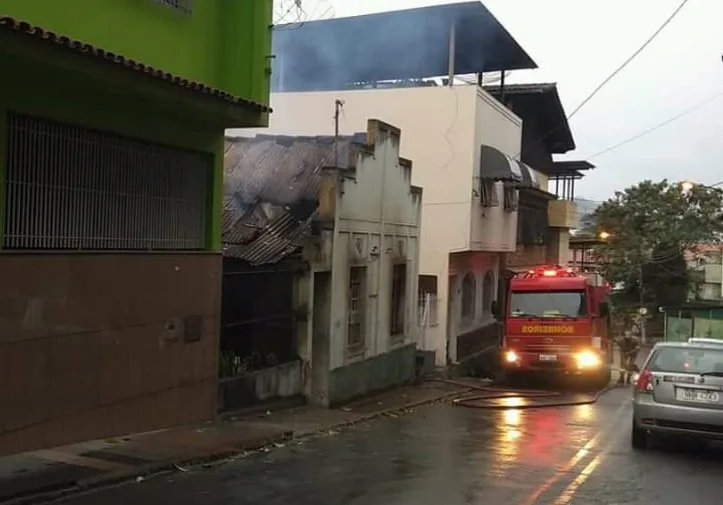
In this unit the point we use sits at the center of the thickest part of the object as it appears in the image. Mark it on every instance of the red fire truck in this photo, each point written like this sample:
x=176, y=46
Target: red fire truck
x=558, y=320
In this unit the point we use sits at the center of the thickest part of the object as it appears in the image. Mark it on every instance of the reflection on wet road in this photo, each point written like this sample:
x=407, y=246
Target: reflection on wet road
x=445, y=455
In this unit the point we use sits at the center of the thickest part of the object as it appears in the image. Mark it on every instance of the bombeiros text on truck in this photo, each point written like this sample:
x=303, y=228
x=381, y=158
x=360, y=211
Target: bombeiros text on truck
x=557, y=320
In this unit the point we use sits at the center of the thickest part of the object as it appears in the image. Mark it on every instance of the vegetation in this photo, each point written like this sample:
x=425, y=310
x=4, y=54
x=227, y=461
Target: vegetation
x=650, y=225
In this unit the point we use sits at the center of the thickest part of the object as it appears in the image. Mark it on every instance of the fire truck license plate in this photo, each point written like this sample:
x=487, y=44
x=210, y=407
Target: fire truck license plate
x=548, y=357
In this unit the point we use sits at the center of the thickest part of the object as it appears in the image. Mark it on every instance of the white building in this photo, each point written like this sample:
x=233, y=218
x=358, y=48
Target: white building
x=705, y=262
x=348, y=204
x=469, y=218
x=466, y=145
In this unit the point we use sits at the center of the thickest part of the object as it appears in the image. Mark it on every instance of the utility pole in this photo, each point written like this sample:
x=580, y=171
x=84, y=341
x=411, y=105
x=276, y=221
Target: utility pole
x=641, y=310
x=338, y=105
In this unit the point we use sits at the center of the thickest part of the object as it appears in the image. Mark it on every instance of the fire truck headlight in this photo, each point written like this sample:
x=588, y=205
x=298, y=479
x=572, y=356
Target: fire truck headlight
x=511, y=357
x=587, y=359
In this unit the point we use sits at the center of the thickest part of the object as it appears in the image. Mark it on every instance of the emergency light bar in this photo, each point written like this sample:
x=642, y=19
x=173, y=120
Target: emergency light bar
x=548, y=271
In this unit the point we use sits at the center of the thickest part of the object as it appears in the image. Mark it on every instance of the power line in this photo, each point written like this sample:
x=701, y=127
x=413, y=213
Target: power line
x=630, y=59
x=616, y=71
x=656, y=127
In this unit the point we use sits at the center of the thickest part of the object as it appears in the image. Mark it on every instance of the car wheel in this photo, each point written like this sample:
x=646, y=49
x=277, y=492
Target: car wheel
x=638, y=437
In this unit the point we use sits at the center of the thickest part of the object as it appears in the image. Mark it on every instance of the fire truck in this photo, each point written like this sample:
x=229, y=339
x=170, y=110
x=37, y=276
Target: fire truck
x=557, y=320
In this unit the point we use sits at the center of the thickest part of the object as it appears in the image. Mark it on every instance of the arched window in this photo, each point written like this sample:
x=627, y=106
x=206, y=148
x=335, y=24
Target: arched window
x=488, y=291
x=469, y=289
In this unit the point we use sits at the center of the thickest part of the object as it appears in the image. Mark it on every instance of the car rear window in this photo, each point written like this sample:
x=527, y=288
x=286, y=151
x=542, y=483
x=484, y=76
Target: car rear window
x=687, y=360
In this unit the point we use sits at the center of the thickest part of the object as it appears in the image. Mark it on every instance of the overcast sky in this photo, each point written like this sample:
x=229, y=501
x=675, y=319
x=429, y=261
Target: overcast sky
x=577, y=43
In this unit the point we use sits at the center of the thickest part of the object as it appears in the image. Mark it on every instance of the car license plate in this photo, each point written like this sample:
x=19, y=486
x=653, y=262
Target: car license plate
x=696, y=395
x=548, y=357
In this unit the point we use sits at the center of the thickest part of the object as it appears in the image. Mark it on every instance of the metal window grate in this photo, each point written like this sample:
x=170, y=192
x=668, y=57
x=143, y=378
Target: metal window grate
x=355, y=321
x=185, y=6
x=69, y=187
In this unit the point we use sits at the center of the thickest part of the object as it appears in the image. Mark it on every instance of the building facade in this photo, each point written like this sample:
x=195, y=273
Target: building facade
x=469, y=216
x=110, y=208
x=347, y=204
x=705, y=263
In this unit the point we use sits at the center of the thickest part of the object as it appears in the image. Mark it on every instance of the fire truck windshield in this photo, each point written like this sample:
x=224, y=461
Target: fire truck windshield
x=546, y=304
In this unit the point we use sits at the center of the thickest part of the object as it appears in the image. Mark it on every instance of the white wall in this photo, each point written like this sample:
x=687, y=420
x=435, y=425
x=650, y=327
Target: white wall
x=491, y=228
x=378, y=225
x=443, y=129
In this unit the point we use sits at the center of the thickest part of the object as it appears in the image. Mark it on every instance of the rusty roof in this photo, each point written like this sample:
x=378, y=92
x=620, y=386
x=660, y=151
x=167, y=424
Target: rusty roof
x=270, y=191
x=27, y=29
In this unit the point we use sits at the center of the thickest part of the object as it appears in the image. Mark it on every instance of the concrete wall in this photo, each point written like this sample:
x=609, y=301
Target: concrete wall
x=277, y=382
x=491, y=228
x=479, y=265
x=95, y=345
x=379, y=372
x=222, y=43
x=442, y=129
x=376, y=225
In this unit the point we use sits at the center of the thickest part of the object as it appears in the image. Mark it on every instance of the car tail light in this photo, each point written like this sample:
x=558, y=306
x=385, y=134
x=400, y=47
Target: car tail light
x=644, y=384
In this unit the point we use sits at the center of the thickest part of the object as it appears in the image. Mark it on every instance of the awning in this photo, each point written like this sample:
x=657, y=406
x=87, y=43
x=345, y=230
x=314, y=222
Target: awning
x=496, y=165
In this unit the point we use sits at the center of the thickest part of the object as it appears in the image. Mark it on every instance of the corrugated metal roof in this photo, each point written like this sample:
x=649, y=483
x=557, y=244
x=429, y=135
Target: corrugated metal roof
x=270, y=191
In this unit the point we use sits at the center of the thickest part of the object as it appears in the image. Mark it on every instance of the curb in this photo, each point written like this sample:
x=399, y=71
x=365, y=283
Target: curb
x=109, y=479
x=381, y=413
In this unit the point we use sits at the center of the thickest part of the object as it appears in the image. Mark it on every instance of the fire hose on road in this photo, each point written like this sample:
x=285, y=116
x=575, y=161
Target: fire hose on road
x=496, y=397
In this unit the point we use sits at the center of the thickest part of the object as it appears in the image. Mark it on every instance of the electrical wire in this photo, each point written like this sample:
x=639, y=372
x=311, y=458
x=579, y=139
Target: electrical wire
x=615, y=72
x=657, y=127
x=630, y=58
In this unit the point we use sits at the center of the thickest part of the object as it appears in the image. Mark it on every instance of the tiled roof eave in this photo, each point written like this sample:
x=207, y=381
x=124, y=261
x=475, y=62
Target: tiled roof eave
x=27, y=29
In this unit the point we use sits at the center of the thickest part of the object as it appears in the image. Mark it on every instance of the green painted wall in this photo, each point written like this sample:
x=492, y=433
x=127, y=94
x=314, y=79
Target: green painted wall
x=374, y=374
x=78, y=100
x=223, y=43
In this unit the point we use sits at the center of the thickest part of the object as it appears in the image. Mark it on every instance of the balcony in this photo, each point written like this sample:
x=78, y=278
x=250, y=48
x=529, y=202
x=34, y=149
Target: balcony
x=562, y=213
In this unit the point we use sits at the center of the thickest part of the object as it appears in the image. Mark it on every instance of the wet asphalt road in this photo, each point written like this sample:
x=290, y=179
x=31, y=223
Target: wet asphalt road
x=446, y=455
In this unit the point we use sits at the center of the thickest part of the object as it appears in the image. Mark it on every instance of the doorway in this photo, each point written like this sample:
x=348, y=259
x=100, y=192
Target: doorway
x=320, y=340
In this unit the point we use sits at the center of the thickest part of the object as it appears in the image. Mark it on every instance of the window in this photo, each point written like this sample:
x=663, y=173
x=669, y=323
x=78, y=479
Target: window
x=469, y=291
x=532, y=226
x=548, y=304
x=488, y=291
x=428, y=300
x=488, y=193
x=184, y=6
x=511, y=198
x=71, y=188
x=687, y=360
x=357, y=303
x=399, y=294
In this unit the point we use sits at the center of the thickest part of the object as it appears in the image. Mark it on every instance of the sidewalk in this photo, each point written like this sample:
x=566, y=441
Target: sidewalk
x=51, y=473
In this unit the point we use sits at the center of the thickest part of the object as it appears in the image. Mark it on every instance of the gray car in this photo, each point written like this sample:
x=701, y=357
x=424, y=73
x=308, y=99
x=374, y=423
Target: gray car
x=679, y=391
